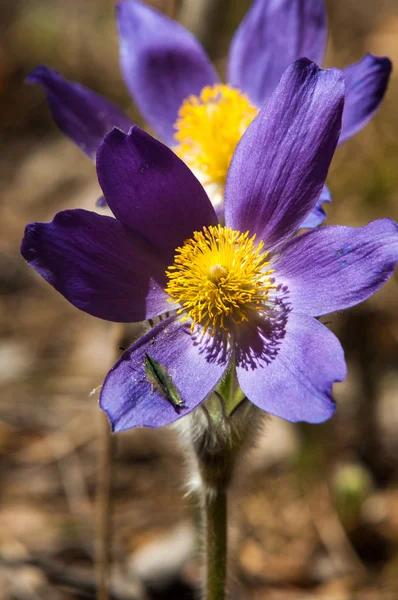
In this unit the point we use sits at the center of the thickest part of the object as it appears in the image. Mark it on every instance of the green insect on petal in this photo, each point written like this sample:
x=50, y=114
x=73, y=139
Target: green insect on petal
x=158, y=377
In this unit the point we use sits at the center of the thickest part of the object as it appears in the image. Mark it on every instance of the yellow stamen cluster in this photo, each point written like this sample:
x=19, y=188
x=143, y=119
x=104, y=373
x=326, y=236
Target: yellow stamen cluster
x=208, y=129
x=218, y=277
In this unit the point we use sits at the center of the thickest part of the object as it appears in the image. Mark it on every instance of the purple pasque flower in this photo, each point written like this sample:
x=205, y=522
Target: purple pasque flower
x=179, y=93
x=244, y=295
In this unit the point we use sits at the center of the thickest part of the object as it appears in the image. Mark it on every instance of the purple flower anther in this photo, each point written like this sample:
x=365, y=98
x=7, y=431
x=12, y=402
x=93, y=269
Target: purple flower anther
x=242, y=294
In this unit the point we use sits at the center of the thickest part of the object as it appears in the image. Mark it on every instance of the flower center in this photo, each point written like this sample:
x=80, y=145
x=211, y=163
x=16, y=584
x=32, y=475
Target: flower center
x=219, y=277
x=208, y=129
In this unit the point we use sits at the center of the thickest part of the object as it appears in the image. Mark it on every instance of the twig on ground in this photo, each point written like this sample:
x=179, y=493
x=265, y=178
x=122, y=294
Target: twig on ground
x=59, y=576
x=103, y=512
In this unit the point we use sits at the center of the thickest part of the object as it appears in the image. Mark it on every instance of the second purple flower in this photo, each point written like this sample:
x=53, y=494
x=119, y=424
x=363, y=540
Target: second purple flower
x=180, y=95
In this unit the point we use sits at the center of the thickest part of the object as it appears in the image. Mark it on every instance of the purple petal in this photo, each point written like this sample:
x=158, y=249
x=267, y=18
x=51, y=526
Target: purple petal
x=274, y=34
x=366, y=83
x=128, y=397
x=334, y=267
x=81, y=114
x=151, y=190
x=318, y=215
x=280, y=165
x=98, y=264
x=162, y=64
x=296, y=385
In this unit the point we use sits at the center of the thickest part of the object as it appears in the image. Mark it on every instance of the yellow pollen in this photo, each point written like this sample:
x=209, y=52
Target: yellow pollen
x=219, y=277
x=208, y=129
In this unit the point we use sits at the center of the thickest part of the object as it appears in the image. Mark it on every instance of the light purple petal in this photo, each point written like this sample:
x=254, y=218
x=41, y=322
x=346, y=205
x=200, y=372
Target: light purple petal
x=274, y=34
x=297, y=384
x=331, y=268
x=162, y=64
x=151, y=190
x=81, y=114
x=280, y=165
x=366, y=84
x=128, y=397
x=101, y=203
x=98, y=264
x=318, y=215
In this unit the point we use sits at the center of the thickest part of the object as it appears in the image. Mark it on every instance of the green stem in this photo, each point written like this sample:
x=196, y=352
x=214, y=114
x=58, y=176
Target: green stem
x=216, y=543
x=217, y=439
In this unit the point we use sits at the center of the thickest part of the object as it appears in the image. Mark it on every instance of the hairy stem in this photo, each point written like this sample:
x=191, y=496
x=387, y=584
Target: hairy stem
x=216, y=543
x=217, y=439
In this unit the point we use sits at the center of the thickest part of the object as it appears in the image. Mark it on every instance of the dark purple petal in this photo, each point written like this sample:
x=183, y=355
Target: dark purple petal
x=98, y=264
x=151, y=190
x=128, y=397
x=297, y=384
x=366, y=83
x=162, y=64
x=334, y=267
x=318, y=215
x=81, y=114
x=274, y=34
x=280, y=165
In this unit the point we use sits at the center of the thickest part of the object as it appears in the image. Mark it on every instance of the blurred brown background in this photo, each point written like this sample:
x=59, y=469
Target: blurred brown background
x=314, y=511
